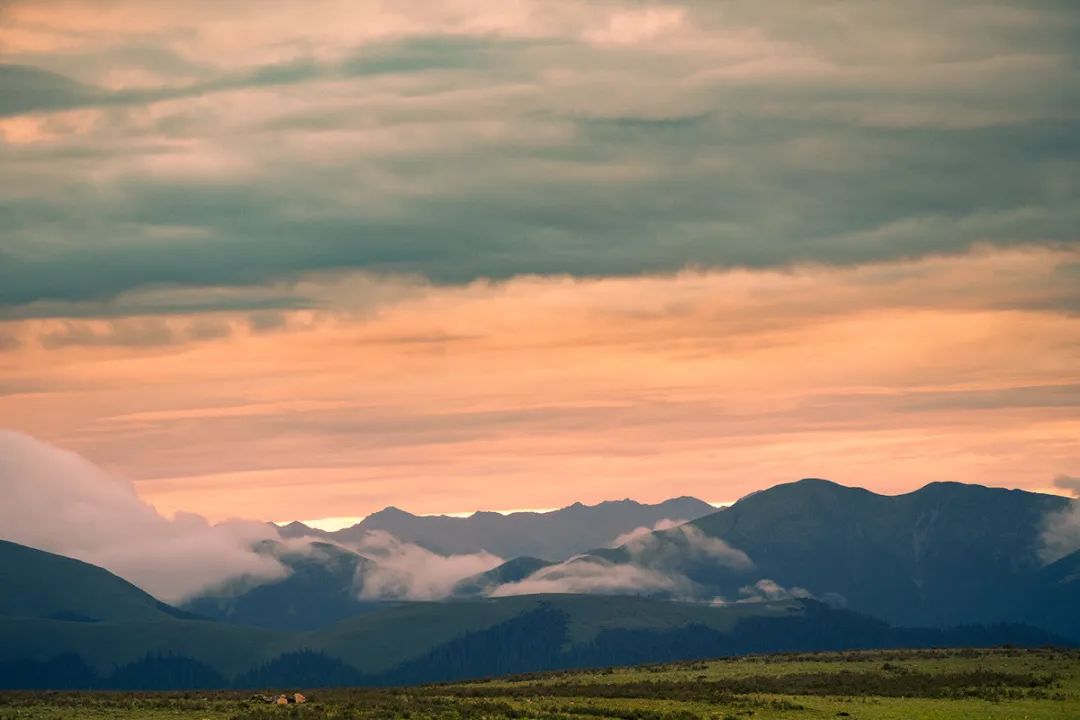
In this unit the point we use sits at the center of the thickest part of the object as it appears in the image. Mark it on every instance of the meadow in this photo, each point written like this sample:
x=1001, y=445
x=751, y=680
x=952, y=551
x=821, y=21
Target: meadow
x=871, y=685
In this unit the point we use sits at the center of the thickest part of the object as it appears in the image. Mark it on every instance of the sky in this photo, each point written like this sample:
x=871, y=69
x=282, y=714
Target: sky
x=287, y=259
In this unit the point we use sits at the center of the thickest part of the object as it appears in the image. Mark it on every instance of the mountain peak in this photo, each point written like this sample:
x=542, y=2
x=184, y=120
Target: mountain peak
x=820, y=482
x=297, y=529
x=806, y=487
x=391, y=511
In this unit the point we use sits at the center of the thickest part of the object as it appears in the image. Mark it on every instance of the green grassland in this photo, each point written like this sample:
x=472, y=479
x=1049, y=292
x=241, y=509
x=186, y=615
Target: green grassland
x=878, y=685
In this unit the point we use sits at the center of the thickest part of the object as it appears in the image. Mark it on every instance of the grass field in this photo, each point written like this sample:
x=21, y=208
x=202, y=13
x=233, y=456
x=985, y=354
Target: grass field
x=990, y=684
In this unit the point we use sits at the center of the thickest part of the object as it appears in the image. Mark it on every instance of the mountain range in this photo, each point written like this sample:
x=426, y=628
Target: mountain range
x=111, y=635
x=553, y=535
x=943, y=555
x=801, y=566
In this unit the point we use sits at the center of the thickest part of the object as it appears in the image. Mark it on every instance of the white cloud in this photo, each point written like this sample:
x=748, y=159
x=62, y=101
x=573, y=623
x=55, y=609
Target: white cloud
x=655, y=565
x=592, y=575
x=765, y=590
x=682, y=544
x=409, y=572
x=57, y=501
x=1061, y=533
x=642, y=531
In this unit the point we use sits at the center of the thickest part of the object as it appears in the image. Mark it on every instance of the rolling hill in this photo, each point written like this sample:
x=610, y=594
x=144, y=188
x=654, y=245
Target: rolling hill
x=39, y=584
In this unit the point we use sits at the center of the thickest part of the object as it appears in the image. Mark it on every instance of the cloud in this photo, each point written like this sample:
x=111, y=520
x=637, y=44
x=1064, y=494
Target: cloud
x=484, y=141
x=26, y=89
x=683, y=545
x=655, y=563
x=642, y=531
x=132, y=332
x=766, y=590
x=595, y=575
x=404, y=571
x=1061, y=533
x=1068, y=482
x=57, y=501
x=266, y=321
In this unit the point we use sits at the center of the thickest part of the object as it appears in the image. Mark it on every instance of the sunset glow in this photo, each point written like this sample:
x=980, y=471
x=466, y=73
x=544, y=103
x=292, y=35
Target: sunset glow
x=475, y=255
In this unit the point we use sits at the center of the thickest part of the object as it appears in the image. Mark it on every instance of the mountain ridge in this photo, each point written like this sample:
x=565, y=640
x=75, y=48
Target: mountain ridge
x=403, y=643
x=941, y=554
x=553, y=535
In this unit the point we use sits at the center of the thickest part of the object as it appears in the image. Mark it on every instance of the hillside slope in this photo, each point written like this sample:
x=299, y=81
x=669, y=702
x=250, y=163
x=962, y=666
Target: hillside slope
x=322, y=587
x=39, y=584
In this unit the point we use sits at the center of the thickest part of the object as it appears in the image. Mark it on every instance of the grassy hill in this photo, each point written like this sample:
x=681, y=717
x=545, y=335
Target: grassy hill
x=104, y=646
x=39, y=584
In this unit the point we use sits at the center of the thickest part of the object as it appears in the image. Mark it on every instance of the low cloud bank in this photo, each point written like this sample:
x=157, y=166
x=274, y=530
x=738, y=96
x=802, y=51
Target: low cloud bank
x=655, y=565
x=640, y=532
x=596, y=576
x=404, y=571
x=56, y=500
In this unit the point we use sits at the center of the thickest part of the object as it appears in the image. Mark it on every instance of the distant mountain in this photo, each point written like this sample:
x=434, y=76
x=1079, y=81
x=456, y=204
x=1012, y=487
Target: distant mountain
x=322, y=587
x=945, y=554
x=39, y=584
x=962, y=561
x=554, y=535
x=424, y=642
x=297, y=529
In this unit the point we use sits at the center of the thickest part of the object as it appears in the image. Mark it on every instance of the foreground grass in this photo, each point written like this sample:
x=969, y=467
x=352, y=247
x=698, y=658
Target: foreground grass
x=927, y=684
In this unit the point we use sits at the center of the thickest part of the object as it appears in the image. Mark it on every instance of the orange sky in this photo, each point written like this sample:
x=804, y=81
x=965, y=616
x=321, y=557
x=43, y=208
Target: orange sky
x=540, y=391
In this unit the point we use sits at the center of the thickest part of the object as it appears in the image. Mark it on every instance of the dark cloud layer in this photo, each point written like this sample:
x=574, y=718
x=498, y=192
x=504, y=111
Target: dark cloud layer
x=735, y=137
